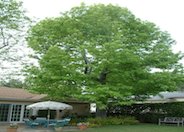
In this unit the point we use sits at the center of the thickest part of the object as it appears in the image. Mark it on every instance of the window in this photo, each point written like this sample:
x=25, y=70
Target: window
x=4, y=112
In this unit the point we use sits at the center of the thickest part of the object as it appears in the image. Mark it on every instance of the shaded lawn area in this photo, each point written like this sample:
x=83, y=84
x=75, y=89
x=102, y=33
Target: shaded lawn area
x=137, y=128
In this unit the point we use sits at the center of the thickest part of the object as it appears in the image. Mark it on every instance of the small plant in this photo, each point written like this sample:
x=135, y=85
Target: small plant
x=13, y=125
x=83, y=125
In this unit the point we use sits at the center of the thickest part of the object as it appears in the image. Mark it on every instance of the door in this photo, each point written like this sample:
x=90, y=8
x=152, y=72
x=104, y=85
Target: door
x=4, y=112
x=15, y=113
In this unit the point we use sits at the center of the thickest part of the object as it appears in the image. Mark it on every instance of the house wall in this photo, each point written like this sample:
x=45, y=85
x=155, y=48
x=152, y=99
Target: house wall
x=81, y=109
x=16, y=110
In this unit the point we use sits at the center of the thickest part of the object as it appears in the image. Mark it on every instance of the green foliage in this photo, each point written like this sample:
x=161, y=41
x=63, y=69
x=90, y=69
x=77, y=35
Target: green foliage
x=150, y=113
x=13, y=83
x=112, y=121
x=13, y=26
x=150, y=117
x=50, y=79
x=102, y=54
x=13, y=20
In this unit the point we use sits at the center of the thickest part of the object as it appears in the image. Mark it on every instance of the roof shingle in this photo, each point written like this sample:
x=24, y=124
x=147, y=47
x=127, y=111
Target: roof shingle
x=16, y=93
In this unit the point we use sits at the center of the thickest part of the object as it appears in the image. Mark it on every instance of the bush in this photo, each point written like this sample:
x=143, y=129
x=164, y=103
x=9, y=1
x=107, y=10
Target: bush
x=150, y=117
x=112, y=121
x=149, y=113
x=130, y=120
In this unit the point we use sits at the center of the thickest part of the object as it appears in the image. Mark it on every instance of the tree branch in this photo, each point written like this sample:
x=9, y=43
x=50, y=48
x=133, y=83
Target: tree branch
x=87, y=69
x=4, y=43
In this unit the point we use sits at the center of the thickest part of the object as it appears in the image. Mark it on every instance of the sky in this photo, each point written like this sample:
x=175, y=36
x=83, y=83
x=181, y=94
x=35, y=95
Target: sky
x=166, y=14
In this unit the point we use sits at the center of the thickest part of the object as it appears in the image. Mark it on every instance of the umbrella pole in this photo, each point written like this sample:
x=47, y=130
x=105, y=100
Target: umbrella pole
x=48, y=117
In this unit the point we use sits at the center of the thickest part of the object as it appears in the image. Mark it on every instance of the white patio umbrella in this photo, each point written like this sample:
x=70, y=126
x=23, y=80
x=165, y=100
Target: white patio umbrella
x=49, y=105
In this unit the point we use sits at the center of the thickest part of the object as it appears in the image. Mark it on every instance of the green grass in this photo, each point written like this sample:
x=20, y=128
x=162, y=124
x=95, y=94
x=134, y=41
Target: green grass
x=137, y=128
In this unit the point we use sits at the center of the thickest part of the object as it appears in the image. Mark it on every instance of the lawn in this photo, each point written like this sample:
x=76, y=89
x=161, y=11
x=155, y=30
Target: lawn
x=137, y=128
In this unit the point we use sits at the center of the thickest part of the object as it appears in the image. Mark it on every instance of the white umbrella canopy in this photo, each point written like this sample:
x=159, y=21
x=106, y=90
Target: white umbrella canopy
x=49, y=105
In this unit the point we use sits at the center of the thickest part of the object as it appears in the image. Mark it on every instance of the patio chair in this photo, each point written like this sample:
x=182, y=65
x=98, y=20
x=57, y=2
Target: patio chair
x=30, y=123
x=61, y=123
x=41, y=121
x=51, y=123
x=67, y=120
x=58, y=123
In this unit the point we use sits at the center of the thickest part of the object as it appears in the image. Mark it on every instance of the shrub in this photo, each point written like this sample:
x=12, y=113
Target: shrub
x=112, y=121
x=130, y=120
x=149, y=113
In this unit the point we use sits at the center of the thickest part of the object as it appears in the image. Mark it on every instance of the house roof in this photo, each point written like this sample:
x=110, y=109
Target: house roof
x=165, y=97
x=19, y=94
x=168, y=95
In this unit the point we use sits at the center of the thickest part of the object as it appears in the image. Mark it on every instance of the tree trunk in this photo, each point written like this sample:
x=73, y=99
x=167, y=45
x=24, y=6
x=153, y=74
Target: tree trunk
x=103, y=76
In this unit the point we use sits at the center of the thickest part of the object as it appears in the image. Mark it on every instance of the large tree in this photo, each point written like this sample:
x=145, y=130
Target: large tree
x=12, y=19
x=13, y=26
x=12, y=83
x=103, y=54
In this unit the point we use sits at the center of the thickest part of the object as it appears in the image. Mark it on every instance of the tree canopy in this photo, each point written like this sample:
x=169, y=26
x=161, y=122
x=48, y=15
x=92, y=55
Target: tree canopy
x=12, y=19
x=13, y=24
x=12, y=83
x=103, y=54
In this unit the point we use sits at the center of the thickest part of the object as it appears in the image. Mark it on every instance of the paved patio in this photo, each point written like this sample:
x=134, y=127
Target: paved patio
x=23, y=128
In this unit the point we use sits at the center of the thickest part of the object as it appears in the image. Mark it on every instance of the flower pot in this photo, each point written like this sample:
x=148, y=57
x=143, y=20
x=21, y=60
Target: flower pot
x=58, y=129
x=11, y=129
x=82, y=127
